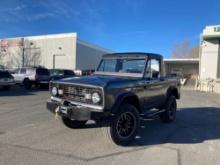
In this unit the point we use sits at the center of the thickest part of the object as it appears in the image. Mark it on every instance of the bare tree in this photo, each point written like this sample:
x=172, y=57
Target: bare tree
x=32, y=54
x=194, y=52
x=13, y=56
x=185, y=50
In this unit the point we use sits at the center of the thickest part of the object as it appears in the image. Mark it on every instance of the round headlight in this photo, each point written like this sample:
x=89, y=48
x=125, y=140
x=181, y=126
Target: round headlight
x=96, y=98
x=54, y=91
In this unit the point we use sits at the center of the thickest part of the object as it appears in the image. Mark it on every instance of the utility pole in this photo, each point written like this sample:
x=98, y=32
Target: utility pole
x=23, y=49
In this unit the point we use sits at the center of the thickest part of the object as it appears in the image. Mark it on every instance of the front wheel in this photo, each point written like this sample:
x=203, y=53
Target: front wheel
x=169, y=114
x=27, y=84
x=124, y=125
x=73, y=123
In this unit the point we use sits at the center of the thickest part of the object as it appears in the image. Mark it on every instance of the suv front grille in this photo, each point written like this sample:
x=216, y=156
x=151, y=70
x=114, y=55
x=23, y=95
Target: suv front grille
x=77, y=93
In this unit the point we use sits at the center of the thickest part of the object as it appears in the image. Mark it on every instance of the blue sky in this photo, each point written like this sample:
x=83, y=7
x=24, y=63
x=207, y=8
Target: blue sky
x=119, y=25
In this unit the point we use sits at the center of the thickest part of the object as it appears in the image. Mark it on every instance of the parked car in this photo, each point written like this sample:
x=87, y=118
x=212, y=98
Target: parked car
x=125, y=88
x=2, y=67
x=57, y=74
x=32, y=76
x=87, y=72
x=6, y=80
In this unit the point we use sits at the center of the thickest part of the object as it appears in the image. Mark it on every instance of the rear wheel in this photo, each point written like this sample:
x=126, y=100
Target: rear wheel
x=123, y=127
x=73, y=123
x=27, y=83
x=169, y=114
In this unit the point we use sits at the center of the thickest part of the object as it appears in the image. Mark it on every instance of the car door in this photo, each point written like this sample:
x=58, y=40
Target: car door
x=22, y=74
x=153, y=84
x=17, y=75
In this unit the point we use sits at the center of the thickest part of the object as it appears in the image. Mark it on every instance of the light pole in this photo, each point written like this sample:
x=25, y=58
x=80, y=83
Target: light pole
x=23, y=52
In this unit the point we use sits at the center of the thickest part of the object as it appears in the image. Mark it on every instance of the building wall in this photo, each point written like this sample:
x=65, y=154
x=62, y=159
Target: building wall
x=62, y=48
x=218, y=71
x=88, y=56
x=209, y=59
x=40, y=50
x=11, y=52
x=66, y=49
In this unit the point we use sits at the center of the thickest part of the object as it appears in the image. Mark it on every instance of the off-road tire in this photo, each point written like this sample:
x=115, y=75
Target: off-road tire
x=27, y=84
x=116, y=133
x=73, y=123
x=169, y=114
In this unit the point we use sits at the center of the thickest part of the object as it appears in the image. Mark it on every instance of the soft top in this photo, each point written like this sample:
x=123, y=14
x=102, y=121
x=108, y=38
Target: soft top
x=133, y=55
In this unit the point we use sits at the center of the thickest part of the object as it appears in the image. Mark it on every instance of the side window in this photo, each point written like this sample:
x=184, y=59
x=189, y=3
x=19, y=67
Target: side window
x=23, y=71
x=153, y=69
x=16, y=71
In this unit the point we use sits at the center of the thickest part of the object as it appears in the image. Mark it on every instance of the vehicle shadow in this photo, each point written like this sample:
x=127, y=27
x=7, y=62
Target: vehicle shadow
x=192, y=125
x=20, y=91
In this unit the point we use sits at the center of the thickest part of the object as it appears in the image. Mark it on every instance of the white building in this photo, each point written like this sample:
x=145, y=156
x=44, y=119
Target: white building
x=184, y=67
x=209, y=53
x=51, y=51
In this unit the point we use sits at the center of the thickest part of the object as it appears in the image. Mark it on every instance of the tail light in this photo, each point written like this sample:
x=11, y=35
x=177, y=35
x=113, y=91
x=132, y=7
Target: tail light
x=36, y=77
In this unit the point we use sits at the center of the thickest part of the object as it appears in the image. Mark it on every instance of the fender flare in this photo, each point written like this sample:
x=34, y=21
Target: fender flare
x=120, y=99
x=171, y=90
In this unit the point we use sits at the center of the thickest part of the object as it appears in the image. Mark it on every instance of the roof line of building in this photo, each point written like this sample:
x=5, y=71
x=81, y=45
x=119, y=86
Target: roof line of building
x=43, y=35
x=59, y=35
x=182, y=59
x=93, y=46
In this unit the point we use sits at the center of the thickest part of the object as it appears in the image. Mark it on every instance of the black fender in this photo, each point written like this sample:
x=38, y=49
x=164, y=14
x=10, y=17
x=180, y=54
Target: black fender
x=121, y=98
x=173, y=90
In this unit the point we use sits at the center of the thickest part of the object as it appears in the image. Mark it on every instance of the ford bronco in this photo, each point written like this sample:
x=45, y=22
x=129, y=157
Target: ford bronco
x=125, y=88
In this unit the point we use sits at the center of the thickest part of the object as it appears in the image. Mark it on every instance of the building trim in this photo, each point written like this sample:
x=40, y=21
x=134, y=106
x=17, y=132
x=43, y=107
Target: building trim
x=79, y=41
x=44, y=36
x=185, y=60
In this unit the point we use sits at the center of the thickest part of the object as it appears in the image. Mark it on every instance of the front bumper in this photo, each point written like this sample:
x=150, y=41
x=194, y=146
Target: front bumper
x=7, y=83
x=75, y=112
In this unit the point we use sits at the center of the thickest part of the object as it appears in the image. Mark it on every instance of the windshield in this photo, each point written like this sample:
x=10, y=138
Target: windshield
x=44, y=72
x=57, y=72
x=122, y=66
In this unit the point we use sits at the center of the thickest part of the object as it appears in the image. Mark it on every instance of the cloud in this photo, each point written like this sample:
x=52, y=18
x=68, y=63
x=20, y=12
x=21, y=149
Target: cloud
x=39, y=16
x=23, y=12
x=13, y=9
x=86, y=15
x=59, y=8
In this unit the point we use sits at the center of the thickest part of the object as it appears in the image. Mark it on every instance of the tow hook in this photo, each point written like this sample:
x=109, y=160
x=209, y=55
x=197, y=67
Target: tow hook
x=56, y=113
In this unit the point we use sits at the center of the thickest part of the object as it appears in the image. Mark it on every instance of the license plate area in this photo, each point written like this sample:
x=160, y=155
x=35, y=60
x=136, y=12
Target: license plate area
x=64, y=110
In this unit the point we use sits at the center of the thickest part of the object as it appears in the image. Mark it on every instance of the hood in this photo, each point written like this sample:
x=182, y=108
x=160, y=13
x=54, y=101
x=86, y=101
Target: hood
x=96, y=80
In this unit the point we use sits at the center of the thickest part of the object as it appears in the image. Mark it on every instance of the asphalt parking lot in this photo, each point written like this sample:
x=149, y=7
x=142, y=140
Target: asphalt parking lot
x=30, y=135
